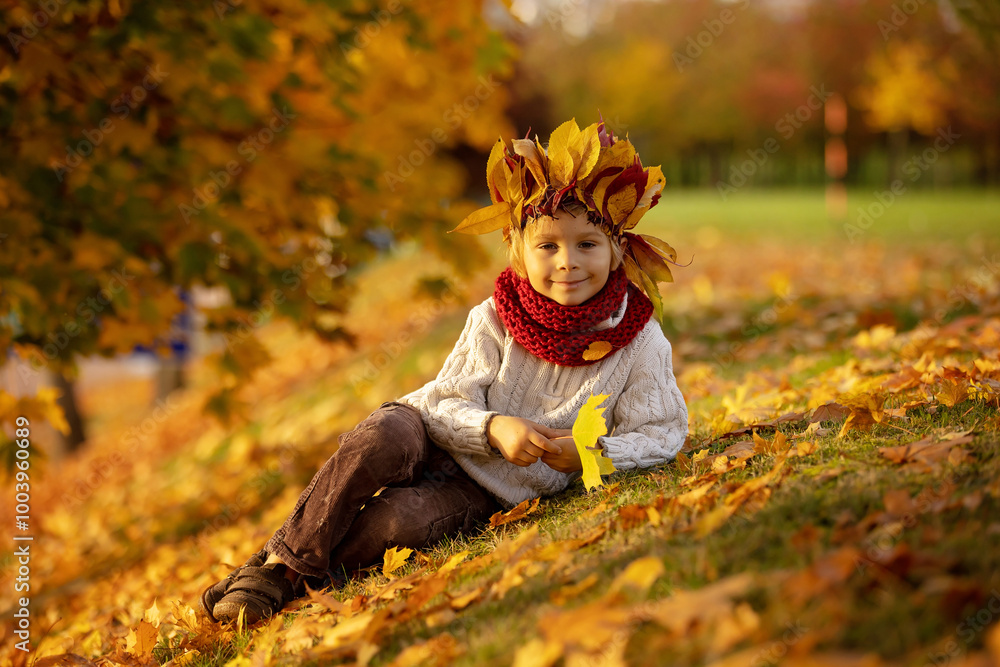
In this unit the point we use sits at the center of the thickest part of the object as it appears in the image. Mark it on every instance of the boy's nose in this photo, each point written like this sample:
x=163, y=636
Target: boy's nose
x=567, y=260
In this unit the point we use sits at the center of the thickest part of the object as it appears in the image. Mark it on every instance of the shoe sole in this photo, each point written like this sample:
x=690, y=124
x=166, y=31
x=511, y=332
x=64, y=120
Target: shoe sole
x=229, y=612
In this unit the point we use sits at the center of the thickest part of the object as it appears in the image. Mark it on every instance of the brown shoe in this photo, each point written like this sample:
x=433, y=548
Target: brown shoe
x=218, y=590
x=260, y=591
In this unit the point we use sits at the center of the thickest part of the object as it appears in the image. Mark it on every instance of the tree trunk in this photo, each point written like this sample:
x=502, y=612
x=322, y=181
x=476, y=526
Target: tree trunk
x=67, y=402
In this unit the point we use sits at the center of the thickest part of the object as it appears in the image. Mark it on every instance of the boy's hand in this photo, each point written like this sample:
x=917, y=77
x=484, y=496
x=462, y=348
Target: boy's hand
x=568, y=459
x=521, y=441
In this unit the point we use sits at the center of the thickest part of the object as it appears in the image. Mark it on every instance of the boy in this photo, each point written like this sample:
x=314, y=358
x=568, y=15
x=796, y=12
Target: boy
x=570, y=317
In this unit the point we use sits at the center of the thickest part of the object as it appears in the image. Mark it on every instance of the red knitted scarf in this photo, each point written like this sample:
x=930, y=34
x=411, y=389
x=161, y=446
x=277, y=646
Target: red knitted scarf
x=561, y=334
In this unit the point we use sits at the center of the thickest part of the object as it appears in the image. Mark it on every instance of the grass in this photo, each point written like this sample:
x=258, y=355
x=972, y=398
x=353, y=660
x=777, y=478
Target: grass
x=916, y=217
x=837, y=573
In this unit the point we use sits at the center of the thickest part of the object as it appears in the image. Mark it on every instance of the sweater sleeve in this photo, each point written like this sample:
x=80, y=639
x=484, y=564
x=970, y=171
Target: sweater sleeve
x=650, y=417
x=454, y=405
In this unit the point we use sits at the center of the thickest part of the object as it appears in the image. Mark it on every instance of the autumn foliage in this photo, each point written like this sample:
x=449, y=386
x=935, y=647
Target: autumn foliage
x=146, y=148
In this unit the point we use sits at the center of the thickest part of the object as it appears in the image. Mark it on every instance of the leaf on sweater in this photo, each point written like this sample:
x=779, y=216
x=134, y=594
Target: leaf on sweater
x=394, y=559
x=588, y=427
x=597, y=350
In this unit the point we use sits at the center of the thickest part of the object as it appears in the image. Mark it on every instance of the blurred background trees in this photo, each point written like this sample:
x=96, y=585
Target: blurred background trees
x=259, y=153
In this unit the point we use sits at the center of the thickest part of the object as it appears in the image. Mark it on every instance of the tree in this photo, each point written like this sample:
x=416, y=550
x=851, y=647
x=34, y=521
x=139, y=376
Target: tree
x=149, y=147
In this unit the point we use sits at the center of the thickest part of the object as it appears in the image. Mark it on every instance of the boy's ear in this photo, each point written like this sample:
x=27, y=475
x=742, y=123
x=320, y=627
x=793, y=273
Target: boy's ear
x=617, y=260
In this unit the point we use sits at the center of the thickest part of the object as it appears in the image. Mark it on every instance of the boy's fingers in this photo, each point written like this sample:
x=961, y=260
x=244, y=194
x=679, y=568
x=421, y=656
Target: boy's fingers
x=546, y=445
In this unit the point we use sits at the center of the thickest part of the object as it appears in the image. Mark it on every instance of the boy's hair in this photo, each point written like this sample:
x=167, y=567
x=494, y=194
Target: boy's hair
x=515, y=249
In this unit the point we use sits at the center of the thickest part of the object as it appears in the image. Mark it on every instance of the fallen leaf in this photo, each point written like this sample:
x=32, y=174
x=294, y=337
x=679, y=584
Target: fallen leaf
x=453, y=562
x=805, y=448
x=152, y=615
x=829, y=412
x=777, y=446
x=393, y=559
x=898, y=502
x=952, y=393
x=521, y=511
x=639, y=575
x=561, y=596
x=63, y=660
x=441, y=650
x=465, y=599
x=537, y=653
x=142, y=639
x=927, y=452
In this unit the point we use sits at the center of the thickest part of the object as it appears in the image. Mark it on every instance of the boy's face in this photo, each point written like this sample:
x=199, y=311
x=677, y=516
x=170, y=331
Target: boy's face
x=566, y=258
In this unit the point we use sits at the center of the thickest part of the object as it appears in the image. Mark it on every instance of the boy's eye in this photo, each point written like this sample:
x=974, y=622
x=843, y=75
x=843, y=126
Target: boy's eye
x=588, y=244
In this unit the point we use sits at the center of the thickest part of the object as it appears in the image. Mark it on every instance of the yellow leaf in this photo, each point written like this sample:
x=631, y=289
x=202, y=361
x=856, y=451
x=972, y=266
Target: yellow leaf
x=533, y=159
x=485, y=220
x=591, y=151
x=152, y=614
x=141, y=639
x=952, y=393
x=441, y=649
x=561, y=167
x=453, y=562
x=516, y=514
x=588, y=427
x=394, y=559
x=621, y=203
x=597, y=350
x=537, y=653
x=496, y=177
x=805, y=448
x=639, y=575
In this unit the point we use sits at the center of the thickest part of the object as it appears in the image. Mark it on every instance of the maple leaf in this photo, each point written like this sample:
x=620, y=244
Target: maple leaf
x=142, y=639
x=516, y=514
x=777, y=446
x=393, y=559
x=927, y=453
x=952, y=393
x=588, y=427
x=639, y=575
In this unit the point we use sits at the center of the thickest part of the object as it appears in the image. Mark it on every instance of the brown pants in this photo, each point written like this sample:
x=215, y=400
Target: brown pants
x=338, y=525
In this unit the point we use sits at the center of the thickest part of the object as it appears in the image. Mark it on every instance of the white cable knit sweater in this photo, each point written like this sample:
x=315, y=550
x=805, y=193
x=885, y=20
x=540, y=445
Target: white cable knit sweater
x=488, y=373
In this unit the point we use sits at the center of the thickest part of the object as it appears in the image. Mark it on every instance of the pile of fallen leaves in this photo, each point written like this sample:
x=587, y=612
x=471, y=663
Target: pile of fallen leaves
x=835, y=504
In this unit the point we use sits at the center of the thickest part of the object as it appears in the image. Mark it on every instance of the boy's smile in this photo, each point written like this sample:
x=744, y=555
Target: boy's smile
x=567, y=258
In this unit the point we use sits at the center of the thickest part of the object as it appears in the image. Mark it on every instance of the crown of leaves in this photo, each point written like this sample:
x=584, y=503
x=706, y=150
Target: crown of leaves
x=593, y=167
